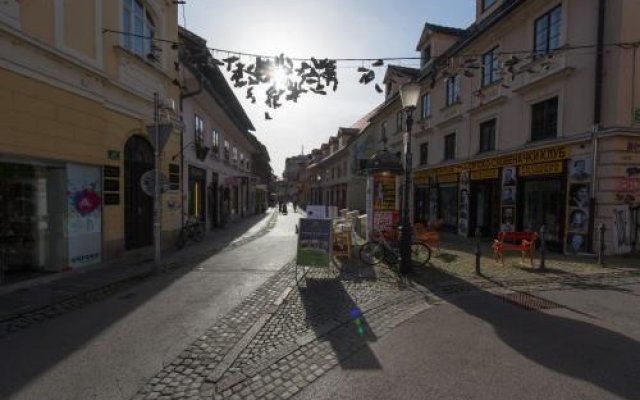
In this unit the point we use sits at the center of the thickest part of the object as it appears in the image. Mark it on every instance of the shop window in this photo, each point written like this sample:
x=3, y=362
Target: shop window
x=450, y=146
x=424, y=153
x=490, y=67
x=452, y=90
x=487, y=136
x=425, y=109
x=547, y=31
x=138, y=25
x=544, y=119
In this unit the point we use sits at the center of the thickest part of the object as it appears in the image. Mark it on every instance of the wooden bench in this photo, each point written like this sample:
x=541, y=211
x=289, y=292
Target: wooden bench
x=524, y=242
x=429, y=237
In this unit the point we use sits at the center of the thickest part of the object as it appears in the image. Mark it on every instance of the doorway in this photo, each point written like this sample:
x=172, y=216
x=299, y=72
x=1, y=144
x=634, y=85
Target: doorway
x=138, y=214
x=213, y=201
x=420, y=198
x=544, y=202
x=485, y=208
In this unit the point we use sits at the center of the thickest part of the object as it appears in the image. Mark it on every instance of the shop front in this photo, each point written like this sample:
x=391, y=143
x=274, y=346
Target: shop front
x=50, y=217
x=518, y=192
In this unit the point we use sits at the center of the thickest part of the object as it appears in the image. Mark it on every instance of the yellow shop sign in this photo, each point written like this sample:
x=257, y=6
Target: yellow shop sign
x=485, y=174
x=542, y=169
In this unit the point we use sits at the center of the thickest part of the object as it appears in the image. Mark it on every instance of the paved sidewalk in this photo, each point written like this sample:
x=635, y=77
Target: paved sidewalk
x=24, y=304
x=294, y=329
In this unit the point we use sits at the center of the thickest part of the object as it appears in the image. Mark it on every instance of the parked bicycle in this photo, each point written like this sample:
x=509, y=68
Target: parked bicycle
x=380, y=249
x=192, y=230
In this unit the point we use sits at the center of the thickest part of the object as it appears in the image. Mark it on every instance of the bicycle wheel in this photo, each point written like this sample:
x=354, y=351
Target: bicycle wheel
x=420, y=254
x=371, y=253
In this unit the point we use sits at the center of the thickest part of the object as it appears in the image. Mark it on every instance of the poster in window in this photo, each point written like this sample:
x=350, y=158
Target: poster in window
x=384, y=192
x=84, y=208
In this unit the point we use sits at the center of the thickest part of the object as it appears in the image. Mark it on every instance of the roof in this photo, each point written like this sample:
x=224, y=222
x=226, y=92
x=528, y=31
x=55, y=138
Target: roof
x=474, y=30
x=447, y=30
x=219, y=87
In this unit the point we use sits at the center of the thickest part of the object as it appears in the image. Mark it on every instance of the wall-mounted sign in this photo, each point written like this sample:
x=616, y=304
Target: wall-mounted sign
x=542, y=169
x=113, y=155
x=557, y=153
x=493, y=173
x=111, y=185
x=110, y=171
x=111, y=199
x=451, y=178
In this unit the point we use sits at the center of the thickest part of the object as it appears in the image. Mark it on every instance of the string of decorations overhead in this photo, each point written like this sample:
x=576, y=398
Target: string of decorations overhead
x=288, y=78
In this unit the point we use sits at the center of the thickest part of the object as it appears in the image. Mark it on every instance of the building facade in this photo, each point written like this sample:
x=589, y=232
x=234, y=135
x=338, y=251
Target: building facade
x=529, y=118
x=77, y=103
x=218, y=149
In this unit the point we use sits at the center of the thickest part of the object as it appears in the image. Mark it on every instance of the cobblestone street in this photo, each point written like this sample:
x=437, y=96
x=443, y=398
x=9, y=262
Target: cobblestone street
x=286, y=335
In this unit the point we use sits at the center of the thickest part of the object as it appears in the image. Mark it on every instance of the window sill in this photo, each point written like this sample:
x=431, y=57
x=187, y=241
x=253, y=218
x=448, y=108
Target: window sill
x=156, y=66
x=451, y=106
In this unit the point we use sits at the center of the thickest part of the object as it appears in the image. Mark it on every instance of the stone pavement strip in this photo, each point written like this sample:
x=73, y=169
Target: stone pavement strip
x=22, y=308
x=286, y=335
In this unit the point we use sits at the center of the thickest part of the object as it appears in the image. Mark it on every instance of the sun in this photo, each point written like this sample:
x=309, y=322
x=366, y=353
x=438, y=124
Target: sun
x=279, y=77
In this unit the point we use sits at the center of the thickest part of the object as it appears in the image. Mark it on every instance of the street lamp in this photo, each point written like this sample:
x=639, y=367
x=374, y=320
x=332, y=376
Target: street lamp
x=409, y=93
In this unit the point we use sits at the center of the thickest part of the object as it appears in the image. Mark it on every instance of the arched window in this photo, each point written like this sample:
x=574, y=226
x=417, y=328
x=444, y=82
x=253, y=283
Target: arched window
x=138, y=24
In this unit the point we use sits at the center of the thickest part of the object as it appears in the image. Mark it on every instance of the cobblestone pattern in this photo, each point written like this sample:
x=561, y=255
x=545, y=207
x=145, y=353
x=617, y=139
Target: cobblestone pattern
x=25, y=320
x=315, y=328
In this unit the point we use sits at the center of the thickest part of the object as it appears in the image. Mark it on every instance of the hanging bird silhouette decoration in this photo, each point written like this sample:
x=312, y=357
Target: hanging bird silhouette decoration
x=267, y=116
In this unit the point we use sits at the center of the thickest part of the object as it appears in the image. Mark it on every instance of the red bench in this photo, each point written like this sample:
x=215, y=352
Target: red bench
x=524, y=242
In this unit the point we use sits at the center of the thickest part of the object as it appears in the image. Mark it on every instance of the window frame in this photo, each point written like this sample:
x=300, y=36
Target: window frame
x=198, y=131
x=215, y=142
x=227, y=151
x=452, y=90
x=493, y=123
x=545, y=130
x=546, y=47
x=450, y=153
x=138, y=19
x=399, y=121
x=425, y=112
x=491, y=67
x=424, y=153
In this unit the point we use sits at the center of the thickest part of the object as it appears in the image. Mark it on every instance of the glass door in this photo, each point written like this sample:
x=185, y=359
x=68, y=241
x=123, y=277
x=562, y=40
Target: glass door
x=544, y=203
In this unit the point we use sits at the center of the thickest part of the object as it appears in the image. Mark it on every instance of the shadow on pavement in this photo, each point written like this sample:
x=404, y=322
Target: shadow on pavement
x=31, y=351
x=328, y=305
x=571, y=347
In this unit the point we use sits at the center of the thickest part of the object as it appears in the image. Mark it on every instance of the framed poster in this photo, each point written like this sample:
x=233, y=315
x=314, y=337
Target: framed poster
x=314, y=242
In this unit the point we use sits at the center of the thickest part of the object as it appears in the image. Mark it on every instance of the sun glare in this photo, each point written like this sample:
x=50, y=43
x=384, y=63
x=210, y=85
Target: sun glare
x=279, y=78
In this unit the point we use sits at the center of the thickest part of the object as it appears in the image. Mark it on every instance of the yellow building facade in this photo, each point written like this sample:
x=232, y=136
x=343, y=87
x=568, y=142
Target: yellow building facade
x=76, y=103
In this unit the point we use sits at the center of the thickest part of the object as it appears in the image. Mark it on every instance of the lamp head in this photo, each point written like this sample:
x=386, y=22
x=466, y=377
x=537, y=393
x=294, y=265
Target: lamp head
x=409, y=94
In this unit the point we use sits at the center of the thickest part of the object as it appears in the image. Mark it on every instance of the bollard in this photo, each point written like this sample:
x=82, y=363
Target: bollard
x=478, y=272
x=542, y=249
x=602, y=229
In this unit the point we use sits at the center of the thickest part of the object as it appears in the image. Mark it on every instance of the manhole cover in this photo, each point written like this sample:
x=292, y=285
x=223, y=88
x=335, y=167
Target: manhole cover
x=528, y=301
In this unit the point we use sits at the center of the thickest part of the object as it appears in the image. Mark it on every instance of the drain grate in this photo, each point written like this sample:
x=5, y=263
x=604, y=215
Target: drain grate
x=528, y=301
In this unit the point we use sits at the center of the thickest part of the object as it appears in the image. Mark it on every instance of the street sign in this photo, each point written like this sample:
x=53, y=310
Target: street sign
x=163, y=132
x=148, y=182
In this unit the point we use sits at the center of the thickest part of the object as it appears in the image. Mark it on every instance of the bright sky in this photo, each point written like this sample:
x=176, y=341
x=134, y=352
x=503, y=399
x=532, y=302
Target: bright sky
x=323, y=29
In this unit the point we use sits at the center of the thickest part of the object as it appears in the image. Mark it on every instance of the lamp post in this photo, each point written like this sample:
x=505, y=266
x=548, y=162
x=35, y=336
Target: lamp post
x=409, y=93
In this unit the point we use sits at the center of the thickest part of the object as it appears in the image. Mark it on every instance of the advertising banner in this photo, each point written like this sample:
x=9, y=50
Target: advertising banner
x=314, y=242
x=315, y=211
x=384, y=192
x=84, y=222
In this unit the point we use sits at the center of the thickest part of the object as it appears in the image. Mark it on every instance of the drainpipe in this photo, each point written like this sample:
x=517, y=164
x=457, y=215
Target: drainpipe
x=597, y=104
x=186, y=95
